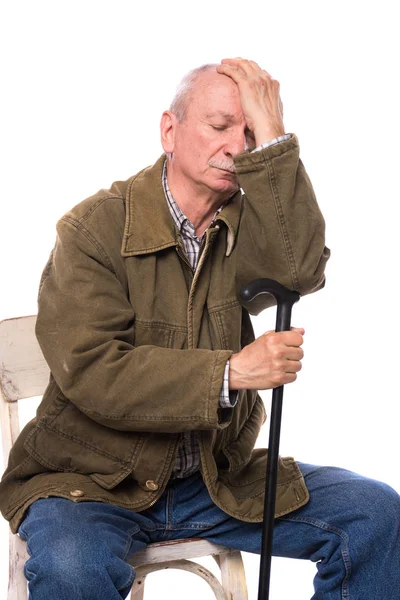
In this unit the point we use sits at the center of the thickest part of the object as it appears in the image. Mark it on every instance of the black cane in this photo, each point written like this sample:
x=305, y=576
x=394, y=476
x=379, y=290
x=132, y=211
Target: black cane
x=285, y=299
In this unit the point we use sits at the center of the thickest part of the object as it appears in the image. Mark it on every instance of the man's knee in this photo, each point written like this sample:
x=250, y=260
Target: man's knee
x=378, y=507
x=77, y=562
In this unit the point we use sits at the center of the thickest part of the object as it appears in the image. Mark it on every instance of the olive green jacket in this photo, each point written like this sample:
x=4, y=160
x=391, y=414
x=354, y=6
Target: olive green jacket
x=137, y=342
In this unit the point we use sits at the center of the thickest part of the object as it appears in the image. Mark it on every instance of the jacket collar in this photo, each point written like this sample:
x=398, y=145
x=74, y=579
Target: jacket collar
x=149, y=226
x=230, y=215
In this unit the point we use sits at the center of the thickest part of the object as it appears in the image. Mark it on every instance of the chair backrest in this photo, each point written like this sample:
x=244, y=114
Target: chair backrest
x=23, y=373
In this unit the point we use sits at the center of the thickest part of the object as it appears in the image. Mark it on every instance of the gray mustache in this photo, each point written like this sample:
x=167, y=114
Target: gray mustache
x=224, y=165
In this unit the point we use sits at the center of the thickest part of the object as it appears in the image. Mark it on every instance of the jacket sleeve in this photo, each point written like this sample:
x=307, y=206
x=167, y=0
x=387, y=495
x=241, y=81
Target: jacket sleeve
x=85, y=328
x=282, y=232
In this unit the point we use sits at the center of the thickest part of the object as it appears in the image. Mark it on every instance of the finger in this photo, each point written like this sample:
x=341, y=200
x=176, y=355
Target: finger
x=293, y=366
x=267, y=74
x=300, y=330
x=293, y=338
x=294, y=353
x=288, y=339
x=296, y=341
x=232, y=71
x=249, y=67
x=287, y=378
x=255, y=66
x=280, y=106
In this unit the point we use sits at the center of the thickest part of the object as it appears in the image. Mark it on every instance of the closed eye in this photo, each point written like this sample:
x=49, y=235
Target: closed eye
x=219, y=127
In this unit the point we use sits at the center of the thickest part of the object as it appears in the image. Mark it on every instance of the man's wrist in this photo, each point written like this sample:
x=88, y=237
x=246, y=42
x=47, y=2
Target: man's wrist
x=264, y=132
x=235, y=380
x=277, y=140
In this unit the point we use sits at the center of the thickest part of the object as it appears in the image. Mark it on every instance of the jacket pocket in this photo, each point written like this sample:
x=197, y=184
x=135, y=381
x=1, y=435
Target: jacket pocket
x=226, y=322
x=157, y=333
x=239, y=450
x=66, y=440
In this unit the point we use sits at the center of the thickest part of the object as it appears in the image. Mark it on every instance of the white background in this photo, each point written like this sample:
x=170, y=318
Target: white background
x=83, y=86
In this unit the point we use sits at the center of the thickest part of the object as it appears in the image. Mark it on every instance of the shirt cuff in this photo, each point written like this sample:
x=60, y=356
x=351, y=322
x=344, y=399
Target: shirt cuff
x=227, y=397
x=281, y=138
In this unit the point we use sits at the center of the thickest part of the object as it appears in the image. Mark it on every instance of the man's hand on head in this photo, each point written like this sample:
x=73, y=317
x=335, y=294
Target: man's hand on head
x=259, y=96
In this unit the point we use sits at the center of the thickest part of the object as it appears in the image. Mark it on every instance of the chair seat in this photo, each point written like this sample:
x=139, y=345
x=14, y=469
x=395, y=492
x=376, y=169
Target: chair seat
x=175, y=555
x=175, y=549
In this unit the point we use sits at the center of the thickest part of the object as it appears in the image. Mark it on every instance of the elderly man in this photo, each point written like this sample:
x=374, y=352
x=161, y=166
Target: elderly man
x=147, y=428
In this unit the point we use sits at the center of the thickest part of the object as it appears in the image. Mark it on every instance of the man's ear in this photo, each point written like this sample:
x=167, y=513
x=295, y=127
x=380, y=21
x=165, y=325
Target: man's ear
x=167, y=129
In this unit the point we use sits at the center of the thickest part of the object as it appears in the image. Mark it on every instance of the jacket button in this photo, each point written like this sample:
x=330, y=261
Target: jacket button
x=152, y=485
x=76, y=493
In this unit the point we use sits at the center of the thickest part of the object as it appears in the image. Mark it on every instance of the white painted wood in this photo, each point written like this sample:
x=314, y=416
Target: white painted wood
x=23, y=371
x=190, y=548
x=9, y=424
x=185, y=565
x=137, y=592
x=233, y=575
x=17, y=584
x=24, y=374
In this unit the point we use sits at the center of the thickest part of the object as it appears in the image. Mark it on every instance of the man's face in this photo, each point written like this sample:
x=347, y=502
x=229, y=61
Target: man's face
x=213, y=131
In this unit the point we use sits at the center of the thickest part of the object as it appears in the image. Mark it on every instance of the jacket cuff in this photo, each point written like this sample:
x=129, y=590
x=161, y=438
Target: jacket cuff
x=247, y=162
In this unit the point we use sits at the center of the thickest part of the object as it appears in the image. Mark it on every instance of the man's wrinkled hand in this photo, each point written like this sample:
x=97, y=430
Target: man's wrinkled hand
x=259, y=96
x=272, y=360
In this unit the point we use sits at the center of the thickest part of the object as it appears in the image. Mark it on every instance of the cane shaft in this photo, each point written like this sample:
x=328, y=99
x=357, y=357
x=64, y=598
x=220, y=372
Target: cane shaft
x=283, y=318
x=285, y=299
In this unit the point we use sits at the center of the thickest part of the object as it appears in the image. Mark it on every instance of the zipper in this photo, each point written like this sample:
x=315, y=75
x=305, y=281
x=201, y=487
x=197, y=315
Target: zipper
x=184, y=258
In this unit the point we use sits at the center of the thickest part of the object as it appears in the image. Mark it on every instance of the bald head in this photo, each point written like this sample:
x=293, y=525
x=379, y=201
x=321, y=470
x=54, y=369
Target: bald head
x=180, y=102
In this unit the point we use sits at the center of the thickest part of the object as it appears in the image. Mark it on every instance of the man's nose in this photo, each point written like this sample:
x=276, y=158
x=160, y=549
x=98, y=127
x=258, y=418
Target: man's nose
x=235, y=145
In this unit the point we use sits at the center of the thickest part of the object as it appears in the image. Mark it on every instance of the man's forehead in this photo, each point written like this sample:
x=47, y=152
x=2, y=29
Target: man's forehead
x=215, y=95
x=220, y=113
x=211, y=83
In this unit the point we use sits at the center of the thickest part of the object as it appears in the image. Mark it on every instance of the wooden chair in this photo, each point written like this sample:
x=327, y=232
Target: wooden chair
x=24, y=374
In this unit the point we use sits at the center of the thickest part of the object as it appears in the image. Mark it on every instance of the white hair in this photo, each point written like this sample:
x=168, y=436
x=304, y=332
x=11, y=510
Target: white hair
x=180, y=101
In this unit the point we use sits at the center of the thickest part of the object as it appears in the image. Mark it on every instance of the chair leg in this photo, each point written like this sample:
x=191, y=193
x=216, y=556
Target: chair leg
x=17, y=585
x=233, y=576
x=185, y=565
x=137, y=592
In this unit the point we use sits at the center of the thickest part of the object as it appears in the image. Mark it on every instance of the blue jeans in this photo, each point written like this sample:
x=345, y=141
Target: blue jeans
x=350, y=528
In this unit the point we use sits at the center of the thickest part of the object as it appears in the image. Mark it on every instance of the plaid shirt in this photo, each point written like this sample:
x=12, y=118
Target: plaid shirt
x=187, y=460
